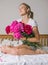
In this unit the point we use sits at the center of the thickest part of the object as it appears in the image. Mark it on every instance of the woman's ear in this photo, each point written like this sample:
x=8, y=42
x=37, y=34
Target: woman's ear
x=28, y=10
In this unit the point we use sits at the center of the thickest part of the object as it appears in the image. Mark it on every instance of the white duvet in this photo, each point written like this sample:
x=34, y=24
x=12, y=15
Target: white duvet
x=7, y=59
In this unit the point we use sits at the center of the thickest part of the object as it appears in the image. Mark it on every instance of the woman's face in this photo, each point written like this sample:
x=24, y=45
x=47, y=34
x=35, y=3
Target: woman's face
x=22, y=10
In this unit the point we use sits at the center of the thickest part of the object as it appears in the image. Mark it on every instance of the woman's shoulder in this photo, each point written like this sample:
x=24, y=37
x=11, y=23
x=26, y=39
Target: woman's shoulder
x=32, y=22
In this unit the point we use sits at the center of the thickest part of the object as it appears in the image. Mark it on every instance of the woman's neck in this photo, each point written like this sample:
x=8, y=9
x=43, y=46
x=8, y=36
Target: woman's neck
x=25, y=19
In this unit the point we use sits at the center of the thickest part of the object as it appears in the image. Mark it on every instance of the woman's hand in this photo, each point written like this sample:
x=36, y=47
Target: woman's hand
x=23, y=38
x=10, y=33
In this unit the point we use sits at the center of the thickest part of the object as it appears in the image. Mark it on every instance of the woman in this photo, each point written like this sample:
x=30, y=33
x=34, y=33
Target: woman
x=26, y=14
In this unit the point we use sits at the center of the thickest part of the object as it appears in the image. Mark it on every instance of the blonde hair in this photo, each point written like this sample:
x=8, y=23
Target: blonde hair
x=30, y=13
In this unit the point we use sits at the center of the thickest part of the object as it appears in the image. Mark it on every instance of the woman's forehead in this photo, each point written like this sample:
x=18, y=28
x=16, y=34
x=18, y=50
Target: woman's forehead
x=22, y=6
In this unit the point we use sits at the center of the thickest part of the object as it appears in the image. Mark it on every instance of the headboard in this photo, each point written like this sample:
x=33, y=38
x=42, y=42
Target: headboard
x=43, y=38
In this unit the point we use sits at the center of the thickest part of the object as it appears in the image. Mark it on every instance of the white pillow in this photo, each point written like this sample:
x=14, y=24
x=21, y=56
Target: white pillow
x=45, y=48
x=16, y=42
x=6, y=42
x=20, y=42
x=11, y=43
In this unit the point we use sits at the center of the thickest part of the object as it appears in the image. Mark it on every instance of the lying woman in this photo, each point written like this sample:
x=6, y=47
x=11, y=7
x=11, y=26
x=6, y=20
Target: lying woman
x=25, y=12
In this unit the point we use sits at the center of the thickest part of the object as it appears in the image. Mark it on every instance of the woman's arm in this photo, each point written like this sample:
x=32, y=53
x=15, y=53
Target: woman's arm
x=37, y=36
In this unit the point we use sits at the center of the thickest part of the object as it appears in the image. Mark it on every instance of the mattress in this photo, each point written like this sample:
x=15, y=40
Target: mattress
x=7, y=59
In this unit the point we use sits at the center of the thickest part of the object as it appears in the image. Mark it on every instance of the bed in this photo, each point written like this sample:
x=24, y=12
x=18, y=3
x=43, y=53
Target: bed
x=41, y=59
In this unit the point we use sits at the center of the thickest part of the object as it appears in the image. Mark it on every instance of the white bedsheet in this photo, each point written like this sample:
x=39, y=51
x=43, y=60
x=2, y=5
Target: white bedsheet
x=7, y=59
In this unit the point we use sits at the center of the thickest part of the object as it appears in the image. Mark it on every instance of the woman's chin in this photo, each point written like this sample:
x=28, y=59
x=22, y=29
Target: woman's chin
x=22, y=14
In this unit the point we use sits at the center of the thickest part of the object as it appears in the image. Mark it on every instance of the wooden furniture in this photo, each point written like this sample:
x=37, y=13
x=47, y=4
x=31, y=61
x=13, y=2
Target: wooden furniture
x=43, y=38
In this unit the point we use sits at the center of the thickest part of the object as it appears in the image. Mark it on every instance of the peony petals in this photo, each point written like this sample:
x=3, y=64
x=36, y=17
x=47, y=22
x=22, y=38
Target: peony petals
x=17, y=35
x=7, y=29
x=27, y=29
x=13, y=24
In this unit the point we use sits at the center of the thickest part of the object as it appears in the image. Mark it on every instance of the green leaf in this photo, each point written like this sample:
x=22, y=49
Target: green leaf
x=35, y=44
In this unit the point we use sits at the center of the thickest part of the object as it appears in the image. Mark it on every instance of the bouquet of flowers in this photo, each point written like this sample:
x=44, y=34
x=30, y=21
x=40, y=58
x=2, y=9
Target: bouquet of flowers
x=28, y=33
x=19, y=30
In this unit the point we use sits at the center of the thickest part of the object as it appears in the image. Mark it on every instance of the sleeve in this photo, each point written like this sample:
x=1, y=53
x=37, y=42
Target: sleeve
x=33, y=23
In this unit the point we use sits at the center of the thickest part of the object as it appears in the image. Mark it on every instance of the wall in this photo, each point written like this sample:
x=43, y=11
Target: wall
x=9, y=12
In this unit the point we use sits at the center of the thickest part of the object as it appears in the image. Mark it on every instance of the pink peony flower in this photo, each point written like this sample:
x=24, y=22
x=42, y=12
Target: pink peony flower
x=18, y=27
x=21, y=26
x=14, y=23
x=7, y=29
x=17, y=35
x=27, y=29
